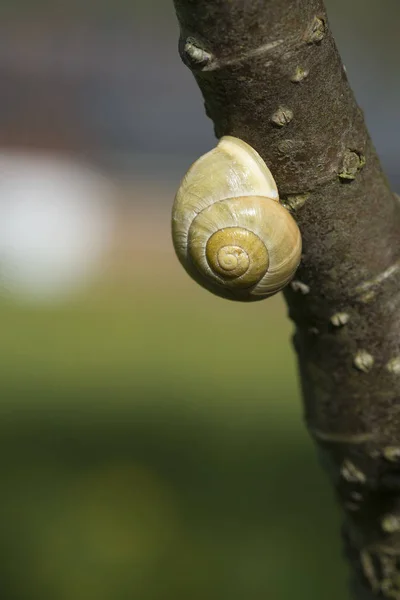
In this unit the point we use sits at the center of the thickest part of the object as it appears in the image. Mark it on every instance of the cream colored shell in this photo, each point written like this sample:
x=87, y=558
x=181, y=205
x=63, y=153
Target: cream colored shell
x=229, y=230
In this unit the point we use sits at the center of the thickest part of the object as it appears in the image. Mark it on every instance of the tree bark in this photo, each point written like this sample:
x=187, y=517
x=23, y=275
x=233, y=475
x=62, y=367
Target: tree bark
x=271, y=75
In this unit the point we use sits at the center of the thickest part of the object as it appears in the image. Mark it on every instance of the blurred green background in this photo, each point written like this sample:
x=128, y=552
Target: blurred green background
x=151, y=436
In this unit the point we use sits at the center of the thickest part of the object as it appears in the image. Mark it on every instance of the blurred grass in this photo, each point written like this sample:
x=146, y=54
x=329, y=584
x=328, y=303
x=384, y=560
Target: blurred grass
x=153, y=448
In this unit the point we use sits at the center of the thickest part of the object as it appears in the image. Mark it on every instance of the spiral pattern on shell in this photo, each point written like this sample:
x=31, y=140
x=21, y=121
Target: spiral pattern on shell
x=237, y=253
x=229, y=230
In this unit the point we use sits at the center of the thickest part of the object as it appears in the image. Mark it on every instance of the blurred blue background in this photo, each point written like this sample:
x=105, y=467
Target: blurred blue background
x=151, y=435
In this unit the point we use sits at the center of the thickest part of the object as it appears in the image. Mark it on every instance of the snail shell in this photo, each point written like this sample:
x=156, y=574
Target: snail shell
x=229, y=230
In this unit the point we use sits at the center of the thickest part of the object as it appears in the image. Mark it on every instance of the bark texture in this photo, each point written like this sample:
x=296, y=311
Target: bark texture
x=271, y=75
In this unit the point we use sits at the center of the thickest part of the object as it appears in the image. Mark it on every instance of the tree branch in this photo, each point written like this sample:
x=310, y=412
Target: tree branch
x=271, y=75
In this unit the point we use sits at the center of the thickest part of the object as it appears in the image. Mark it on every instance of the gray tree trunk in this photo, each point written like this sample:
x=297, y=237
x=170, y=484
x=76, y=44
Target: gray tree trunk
x=271, y=75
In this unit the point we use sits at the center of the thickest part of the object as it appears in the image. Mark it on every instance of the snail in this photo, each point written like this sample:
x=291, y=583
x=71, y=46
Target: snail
x=229, y=230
